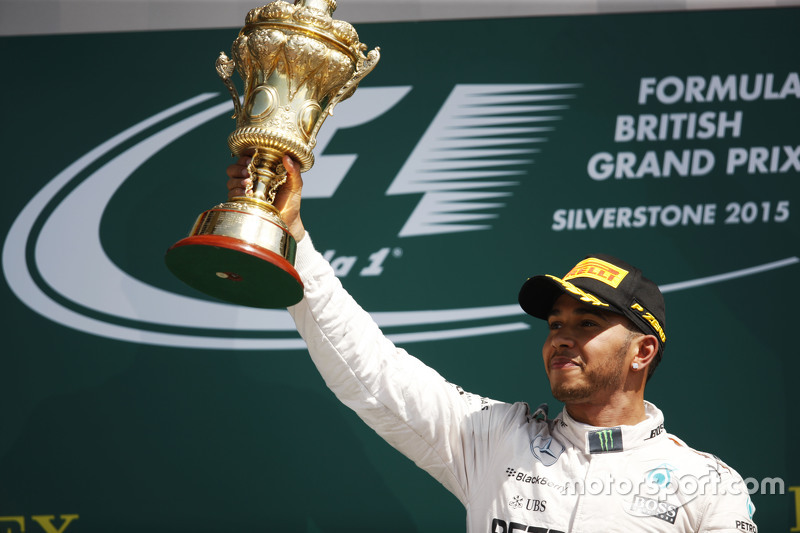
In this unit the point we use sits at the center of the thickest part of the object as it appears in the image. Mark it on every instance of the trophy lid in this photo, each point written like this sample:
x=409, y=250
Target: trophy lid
x=313, y=16
x=329, y=6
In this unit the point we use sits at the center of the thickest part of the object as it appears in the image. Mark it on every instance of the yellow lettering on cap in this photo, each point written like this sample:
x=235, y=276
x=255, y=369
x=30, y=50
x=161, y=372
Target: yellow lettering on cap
x=583, y=295
x=653, y=321
x=598, y=269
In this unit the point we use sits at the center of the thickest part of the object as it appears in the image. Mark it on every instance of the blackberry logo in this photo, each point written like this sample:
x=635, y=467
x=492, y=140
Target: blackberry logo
x=524, y=477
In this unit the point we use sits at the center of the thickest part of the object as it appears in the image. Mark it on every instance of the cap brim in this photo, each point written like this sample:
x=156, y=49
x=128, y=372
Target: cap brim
x=538, y=294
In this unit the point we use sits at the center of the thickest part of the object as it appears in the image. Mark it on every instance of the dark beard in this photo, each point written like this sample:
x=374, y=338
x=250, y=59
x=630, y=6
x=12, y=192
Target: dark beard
x=608, y=377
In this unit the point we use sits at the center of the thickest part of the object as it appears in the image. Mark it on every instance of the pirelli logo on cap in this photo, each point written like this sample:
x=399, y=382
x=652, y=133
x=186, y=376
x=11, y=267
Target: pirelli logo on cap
x=598, y=269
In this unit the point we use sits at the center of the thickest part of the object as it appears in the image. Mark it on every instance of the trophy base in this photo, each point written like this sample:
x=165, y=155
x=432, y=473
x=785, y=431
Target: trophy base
x=235, y=271
x=240, y=252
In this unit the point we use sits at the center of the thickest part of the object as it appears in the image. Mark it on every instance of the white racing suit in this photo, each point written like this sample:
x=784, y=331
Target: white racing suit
x=512, y=471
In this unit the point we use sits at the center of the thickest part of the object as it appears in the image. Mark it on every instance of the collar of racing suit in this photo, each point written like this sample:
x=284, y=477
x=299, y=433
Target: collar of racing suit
x=595, y=440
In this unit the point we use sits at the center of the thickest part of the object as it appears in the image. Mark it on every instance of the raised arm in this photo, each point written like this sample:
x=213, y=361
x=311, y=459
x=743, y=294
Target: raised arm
x=431, y=421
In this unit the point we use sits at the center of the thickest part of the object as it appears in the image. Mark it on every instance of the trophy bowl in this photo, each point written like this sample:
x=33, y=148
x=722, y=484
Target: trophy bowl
x=297, y=63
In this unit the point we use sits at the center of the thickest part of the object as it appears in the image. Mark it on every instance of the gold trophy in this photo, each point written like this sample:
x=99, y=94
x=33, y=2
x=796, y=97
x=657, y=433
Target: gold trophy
x=297, y=63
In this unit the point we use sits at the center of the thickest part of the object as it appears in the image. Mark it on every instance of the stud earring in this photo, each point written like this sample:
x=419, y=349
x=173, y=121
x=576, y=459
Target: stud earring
x=635, y=366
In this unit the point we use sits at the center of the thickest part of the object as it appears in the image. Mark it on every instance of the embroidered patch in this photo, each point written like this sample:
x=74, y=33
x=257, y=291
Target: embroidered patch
x=546, y=450
x=598, y=269
x=605, y=440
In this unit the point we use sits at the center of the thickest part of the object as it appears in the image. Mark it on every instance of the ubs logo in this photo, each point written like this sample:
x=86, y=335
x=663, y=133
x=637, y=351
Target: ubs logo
x=530, y=504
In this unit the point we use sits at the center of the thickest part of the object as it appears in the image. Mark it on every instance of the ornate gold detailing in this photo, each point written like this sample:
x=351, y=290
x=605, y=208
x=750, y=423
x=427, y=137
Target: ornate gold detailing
x=263, y=103
x=297, y=64
x=308, y=116
x=225, y=68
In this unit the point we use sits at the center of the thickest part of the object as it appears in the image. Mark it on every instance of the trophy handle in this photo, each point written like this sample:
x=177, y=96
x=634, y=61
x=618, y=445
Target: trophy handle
x=267, y=174
x=225, y=68
x=349, y=88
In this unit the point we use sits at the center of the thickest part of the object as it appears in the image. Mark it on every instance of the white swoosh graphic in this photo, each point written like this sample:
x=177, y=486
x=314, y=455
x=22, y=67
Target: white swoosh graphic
x=72, y=261
x=699, y=282
x=89, y=276
x=26, y=289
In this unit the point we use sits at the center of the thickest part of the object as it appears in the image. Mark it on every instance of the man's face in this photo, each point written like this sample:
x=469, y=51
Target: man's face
x=586, y=352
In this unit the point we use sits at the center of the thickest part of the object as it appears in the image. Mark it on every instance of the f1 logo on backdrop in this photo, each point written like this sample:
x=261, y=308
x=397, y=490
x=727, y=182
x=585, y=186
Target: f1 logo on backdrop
x=468, y=160
x=475, y=147
x=62, y=272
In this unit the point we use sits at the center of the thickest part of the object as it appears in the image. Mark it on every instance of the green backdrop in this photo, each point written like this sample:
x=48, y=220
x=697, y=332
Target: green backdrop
x=478, y=153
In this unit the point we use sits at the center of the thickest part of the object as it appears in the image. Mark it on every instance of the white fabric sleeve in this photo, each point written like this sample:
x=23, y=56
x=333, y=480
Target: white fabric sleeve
x=730, y=509
x=407, y=403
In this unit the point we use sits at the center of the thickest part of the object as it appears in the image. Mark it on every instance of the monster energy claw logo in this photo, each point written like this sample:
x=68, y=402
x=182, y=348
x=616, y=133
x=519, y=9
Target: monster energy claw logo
x=606, y=436
x=605, y=440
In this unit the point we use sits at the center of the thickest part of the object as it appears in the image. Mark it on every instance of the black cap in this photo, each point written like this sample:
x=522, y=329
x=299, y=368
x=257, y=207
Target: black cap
x=606, y=282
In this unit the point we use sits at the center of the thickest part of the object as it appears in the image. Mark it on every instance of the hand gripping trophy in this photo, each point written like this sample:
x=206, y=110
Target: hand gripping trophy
x=297, y=63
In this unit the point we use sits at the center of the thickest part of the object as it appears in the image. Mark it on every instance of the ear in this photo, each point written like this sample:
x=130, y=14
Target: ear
x=646, y=347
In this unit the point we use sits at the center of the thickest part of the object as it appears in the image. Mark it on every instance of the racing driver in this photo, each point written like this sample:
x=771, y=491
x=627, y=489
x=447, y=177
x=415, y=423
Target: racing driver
x=604, y=464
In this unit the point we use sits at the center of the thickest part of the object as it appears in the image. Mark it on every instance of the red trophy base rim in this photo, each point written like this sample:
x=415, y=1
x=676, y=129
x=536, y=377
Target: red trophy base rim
x=235, y=271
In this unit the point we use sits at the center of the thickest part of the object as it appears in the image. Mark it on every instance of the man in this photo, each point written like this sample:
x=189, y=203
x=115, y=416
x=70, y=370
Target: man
x=604, y=464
